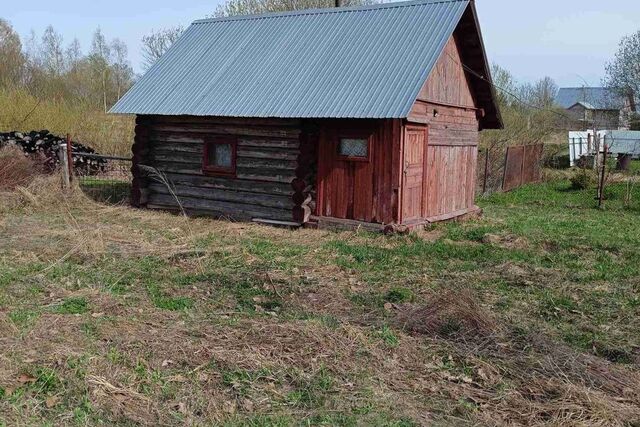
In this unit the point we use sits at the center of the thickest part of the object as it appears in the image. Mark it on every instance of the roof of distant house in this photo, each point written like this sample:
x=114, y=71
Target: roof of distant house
x=592, y=98
x=349, y=62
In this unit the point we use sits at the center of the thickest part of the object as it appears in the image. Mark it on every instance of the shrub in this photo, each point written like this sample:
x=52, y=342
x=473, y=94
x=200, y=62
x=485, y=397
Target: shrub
x=16, y=169
x=582, y=180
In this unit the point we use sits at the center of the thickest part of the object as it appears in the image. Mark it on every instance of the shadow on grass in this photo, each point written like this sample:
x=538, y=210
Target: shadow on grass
x=107, y=191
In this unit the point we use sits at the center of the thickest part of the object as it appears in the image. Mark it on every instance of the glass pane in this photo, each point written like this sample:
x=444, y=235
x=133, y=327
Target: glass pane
x=220, y=155
x=354, y=147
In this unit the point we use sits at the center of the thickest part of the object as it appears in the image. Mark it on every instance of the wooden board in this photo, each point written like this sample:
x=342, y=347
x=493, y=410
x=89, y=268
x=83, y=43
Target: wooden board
x=446, y=103
x=448, y=83
x=413, y=188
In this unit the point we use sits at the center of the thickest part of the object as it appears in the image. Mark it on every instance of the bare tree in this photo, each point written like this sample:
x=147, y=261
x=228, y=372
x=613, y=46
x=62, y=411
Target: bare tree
x=545, y=91
x=249, y=7
x=73, y=54
x=122, y=71
x=154, y=45
x=99, y=58
x=52, y=54
x=13, y=60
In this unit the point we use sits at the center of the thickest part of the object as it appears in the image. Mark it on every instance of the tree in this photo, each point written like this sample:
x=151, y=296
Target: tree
x=73, y=54
x=13, y=61
x=99, y=46
x=504, y=80
x=623, y=73
x=51, y=54
x=122, y=71
x=99, y=63
x=249, y=7
x=544, y=93
x=154, y=45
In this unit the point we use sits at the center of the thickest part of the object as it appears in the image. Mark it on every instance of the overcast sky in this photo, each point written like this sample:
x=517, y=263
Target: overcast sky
x=569, y=40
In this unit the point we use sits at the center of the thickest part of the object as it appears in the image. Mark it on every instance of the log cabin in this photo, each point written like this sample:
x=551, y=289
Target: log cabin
x=341, y=117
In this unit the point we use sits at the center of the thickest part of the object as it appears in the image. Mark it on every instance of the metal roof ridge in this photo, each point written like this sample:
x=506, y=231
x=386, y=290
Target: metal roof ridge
x=326, y=10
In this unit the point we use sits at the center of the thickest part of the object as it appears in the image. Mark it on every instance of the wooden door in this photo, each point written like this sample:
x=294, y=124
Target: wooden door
x=413, y=188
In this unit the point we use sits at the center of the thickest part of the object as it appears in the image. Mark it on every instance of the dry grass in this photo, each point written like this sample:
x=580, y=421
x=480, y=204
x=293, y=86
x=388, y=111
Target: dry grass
x=448, y=314
x=127, y=317
x=16, y=169
x=106, y=133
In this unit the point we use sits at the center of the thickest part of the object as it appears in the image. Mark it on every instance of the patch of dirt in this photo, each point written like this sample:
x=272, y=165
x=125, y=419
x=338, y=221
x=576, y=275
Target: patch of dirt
x=506, y=241
x=518, y=274
x=430, y=235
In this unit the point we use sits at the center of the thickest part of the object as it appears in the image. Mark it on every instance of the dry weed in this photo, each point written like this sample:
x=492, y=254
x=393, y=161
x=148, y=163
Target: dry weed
x=449, y=314
x=16, y=169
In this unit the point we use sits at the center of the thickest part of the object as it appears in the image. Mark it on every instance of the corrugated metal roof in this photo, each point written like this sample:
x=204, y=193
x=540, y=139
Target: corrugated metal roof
x=357, y=62
x=595, y=98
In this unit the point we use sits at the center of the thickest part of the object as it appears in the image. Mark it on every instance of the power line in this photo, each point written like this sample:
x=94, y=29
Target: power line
x=517, y=98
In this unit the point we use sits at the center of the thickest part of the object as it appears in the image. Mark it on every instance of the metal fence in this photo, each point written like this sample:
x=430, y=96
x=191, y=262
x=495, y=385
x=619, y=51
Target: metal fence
x=490, y=170
x=104, y=178
x=506, y=168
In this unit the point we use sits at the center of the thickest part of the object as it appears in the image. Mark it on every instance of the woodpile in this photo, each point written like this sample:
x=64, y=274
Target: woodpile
x=304, y=196
x=45, y=146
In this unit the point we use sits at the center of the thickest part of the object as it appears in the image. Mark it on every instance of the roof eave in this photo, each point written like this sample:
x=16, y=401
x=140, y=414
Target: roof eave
x=498, y=122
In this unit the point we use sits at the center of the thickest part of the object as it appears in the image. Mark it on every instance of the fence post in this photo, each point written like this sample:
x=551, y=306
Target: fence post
x=596, y=157
x=64, y=165
x=602, y=175
x=70, y=157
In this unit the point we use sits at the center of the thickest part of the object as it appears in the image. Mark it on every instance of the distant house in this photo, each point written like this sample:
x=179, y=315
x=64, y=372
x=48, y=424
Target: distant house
x=598, y=107
x=357, y=116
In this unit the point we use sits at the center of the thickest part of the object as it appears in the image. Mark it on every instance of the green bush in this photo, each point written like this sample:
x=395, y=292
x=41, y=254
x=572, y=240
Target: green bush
x=582, y=179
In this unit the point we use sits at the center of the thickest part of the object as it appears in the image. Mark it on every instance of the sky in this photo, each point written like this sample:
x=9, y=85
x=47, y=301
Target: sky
x=568, y=40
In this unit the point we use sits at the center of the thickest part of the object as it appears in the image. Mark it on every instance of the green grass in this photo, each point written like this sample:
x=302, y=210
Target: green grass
x=106, y=190
x=236, y=324
x=73, y=306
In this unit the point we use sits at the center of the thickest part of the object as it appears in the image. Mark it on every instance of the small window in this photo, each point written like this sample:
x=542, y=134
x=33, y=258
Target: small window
x=354, y=149
x=220, y=156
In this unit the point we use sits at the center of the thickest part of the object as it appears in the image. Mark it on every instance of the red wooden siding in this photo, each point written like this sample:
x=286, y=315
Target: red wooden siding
x=448, y=82
x=447, y=106
x=413, y=192
x=363, y=191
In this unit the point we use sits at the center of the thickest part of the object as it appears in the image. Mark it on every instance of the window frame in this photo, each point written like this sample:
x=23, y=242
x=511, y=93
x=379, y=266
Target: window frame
x=211, y=141
x=354, y=135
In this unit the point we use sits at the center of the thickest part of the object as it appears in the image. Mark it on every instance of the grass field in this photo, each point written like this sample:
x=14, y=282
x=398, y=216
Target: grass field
x=527, y=316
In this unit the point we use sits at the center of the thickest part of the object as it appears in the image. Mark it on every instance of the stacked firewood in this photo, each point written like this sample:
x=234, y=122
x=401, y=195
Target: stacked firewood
x=303, y=185
x=44, y=145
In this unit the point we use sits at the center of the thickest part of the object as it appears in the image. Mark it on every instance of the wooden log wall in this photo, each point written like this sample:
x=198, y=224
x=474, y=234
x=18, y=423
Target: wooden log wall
x=140, y=150
x=268, y=152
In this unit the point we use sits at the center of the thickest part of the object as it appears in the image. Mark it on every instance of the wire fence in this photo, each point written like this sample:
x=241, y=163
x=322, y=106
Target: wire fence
x=104, y=178
x=504, y=168
x=490, y=170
